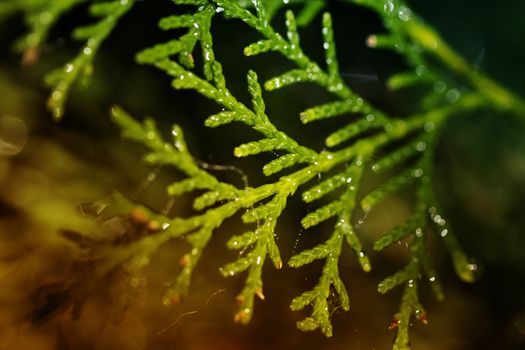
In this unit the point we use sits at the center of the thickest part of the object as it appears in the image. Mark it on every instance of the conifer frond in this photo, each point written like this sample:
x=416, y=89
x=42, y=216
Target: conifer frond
x=198, y=229
x=399, y=147
x=40, y=17
x=81, y=67
x=330, y=251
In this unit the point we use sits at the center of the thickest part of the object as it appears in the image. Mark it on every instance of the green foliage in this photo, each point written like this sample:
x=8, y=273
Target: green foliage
x=401, y=147
x=41, y=15
x=62, y=79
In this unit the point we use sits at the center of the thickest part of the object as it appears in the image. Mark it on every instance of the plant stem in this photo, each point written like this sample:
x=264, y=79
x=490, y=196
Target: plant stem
x=435, y=45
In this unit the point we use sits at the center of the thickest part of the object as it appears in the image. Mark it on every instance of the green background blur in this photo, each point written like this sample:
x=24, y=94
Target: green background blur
x=480, y=180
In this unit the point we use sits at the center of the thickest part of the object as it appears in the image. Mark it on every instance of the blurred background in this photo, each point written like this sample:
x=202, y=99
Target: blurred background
x=48, y=169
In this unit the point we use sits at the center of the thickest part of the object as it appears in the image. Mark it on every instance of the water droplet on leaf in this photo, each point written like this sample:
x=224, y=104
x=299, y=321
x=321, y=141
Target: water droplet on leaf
x=13, y=135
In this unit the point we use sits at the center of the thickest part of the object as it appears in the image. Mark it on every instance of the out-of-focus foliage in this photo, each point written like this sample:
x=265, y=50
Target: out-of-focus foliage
x=399, y=148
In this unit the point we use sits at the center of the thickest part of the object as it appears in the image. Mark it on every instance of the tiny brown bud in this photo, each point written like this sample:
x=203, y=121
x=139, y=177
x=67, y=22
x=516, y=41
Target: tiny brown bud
x=279, y=264
x=239, y=299
x=185, y=260
x=154, y=226
x=243, y=316
x=422, y=317
x=238, y=317
x=259, y=293
x=393, y=324
x=30, y=56
x=371, y=41
x=171, y=300
x=138, y=216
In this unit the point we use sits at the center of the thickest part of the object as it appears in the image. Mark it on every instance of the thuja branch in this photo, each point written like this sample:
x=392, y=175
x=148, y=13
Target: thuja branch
x=41, y=16
x=416, y=41
x=330, y=251
x=434, y=44
x=373, y=140
x=198, y=228
x=62, y=79
x=309, y=70
x=359, y=152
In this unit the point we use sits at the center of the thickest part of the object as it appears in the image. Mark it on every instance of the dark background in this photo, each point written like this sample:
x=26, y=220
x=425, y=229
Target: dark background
x=480, y=180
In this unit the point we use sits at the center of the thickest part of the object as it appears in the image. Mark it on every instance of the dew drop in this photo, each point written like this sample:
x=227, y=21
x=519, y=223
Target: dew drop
x=421, y=146
x=32, y=40
x=150, y=135
x=46, y=17
x=472, y=267
x=420, y=70
x=452, y=95
x=296, y=243
x=417, y=172
x=404, y=14
x=429, y=126
x=57, y=95
x=439, y=87
x=388, y=7
x=13, y=135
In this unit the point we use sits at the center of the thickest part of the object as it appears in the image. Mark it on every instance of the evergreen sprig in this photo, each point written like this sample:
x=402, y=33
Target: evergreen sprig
x=400, y=147
x=81, y=67
x=42, y=15
x=213, y=86
x=330, y=251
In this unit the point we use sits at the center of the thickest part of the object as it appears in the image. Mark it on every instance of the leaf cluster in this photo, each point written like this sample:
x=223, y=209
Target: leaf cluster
x=401, y=148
